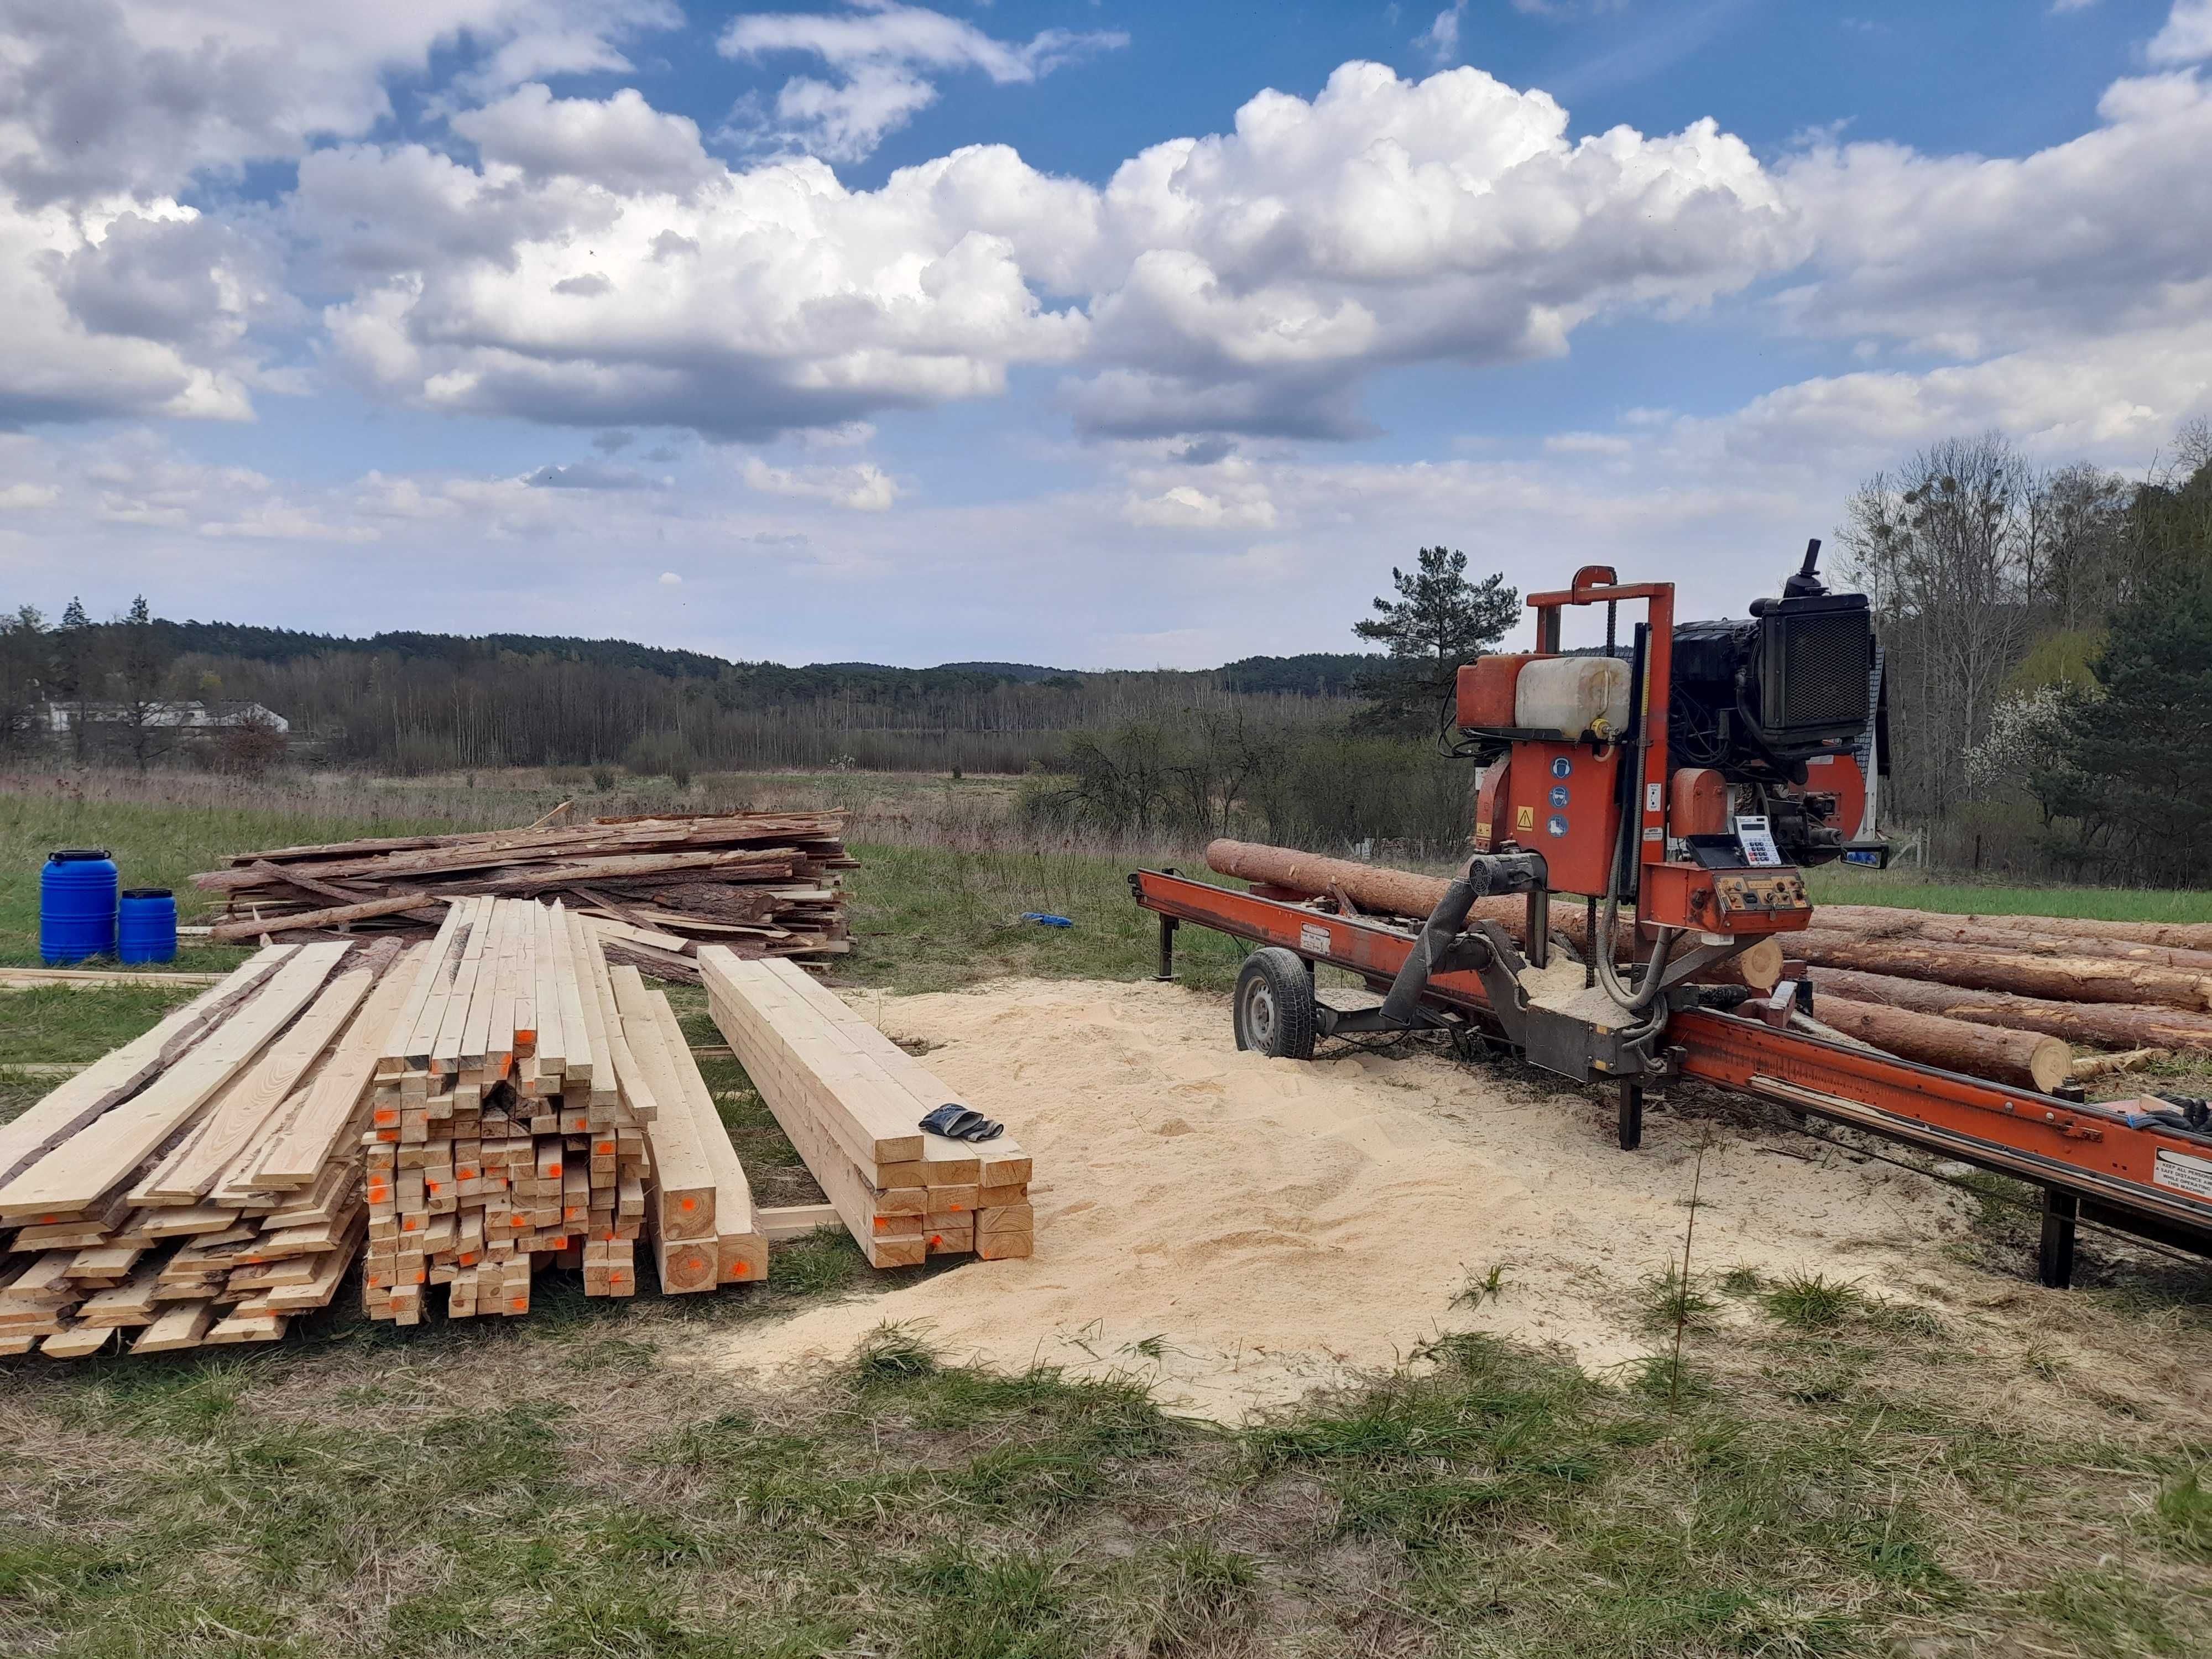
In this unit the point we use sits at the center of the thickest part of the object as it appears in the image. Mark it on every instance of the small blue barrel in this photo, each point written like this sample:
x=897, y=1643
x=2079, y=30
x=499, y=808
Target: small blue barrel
x=146, y=925
x=76, y=905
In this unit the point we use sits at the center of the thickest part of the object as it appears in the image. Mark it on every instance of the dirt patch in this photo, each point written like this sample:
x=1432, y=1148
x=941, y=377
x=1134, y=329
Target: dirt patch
x=1238, y=1230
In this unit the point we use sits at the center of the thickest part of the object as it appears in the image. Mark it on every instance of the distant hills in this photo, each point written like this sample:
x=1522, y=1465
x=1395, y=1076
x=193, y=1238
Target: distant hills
x=1319, y=674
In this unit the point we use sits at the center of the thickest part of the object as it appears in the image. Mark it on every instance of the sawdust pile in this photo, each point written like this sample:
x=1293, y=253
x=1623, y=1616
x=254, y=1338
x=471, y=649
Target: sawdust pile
x=1237, y=1229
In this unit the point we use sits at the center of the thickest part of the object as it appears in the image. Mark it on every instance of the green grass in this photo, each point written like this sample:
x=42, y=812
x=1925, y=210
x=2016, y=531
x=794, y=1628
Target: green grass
x=550, y=1488
x=1838, y=1477
x=1838, y=884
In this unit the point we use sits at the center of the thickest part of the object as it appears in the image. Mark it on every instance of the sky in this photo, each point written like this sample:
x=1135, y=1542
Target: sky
x=1123, y=334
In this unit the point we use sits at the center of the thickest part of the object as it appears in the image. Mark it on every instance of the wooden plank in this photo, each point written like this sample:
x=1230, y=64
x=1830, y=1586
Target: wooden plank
x=780, y=1223
x=638, y=1092
x=416, y=1032
x=335, y=1096
x=75, y=1344
x=743, y=1250
x=248, y=1100
x=877, y=1125
x=77, y=1172
x=551, y=1043
x=579, y=1031
x=181, y=1325
x=614, y=928
x=887, y=1240
x=337, y=915
x=26, y=979
x=682, y=1188
x=998, y=1161
x=483, y=996
x=114, y=1076
x=513, y=945
x=130, y=1303
x=445, y=1048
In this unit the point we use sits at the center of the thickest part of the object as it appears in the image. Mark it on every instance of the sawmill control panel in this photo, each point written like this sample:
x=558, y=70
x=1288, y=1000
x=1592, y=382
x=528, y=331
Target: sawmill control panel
x=1768, y=892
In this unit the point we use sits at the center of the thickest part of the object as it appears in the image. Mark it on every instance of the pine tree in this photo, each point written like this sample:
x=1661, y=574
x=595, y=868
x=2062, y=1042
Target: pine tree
x=2139, y=774
x=1439, y=621
x=76, y=671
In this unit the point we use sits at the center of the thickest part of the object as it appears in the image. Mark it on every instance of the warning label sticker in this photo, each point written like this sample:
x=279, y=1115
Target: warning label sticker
x=2183, y=1173
x=1524, y=818
x=1313, y=937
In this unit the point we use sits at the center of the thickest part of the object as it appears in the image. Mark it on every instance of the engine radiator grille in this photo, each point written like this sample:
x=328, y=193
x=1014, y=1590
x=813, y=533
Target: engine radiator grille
x=1822, y=673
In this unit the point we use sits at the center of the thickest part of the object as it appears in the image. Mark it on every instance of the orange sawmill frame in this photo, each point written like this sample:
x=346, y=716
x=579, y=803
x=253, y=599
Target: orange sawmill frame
x=2092, y=1163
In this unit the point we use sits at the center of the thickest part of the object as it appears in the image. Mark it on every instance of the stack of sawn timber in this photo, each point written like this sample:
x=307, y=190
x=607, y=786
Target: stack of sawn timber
x=764, y=883
x=2000, y=997
x=202, y=1184
x=851, y=1100
x=532, y=1104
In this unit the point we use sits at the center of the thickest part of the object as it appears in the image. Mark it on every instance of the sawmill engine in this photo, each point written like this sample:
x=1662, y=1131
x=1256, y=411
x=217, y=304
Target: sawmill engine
x=1773, y=719
x=1776, y=704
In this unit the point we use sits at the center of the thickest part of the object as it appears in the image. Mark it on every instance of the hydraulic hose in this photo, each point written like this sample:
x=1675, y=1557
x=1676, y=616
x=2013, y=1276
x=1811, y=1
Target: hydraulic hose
x=1436, y=933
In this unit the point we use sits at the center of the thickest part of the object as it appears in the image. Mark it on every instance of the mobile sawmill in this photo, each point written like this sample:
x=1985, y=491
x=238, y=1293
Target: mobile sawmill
x=1677, y=785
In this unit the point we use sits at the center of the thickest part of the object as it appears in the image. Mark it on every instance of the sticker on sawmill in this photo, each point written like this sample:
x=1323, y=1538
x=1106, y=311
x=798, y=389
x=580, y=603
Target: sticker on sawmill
x=1524, y=818
x=2183, y=1173
x=1313, y=937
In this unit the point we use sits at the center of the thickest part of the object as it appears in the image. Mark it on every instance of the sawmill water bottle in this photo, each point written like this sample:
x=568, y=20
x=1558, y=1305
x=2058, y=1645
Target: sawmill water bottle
x=146, y=925
x=76, y=905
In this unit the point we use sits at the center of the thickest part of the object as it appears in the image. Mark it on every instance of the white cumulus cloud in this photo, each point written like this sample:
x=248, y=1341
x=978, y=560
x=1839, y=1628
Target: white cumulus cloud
x=883, y=55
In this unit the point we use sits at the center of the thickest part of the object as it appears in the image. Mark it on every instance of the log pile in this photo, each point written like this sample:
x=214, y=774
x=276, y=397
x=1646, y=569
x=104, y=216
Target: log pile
x=763, y=883
x=851, y=1100
x=202, y=1184
x=2000, y=997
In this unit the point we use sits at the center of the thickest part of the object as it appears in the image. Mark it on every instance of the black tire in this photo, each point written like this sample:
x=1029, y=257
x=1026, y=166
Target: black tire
x=1274, y=1007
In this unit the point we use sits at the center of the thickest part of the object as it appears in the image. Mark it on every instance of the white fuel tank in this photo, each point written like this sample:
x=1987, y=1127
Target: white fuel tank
x=1572, y=695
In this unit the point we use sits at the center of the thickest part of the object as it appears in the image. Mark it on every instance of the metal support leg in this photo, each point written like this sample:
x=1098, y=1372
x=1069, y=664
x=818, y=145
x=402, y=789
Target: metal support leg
x=2054, y=1261
x=1167, y=950
x=1631, y=1115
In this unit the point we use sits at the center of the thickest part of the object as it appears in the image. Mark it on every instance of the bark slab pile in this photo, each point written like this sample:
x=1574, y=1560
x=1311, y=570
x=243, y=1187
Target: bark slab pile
x=2005, y=997
x=763, y=883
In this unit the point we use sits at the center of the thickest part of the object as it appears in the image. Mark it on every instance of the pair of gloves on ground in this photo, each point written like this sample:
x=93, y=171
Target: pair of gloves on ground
x=960, y=1122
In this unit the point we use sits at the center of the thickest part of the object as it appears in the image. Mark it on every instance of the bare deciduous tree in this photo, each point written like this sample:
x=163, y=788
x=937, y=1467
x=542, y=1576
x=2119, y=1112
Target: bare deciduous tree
x=1941, y=547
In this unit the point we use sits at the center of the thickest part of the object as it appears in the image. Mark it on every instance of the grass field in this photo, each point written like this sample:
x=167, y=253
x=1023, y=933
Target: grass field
x=1827, y=1474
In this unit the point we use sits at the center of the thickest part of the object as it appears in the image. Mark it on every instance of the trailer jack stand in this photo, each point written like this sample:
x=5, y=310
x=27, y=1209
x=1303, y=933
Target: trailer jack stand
x=2054, y=1259
x=1632, y=1114
x=1167, y=951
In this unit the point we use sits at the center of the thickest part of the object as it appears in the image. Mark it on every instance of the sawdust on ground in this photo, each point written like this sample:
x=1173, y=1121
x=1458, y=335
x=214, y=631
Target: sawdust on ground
x=1236, y=1231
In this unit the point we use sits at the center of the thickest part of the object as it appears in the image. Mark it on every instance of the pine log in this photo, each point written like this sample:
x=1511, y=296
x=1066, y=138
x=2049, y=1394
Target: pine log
x=2024, y=1058
x=2175, y=935
x=1402, y=893
x=2064, y=979
x=1872, y=922
x=2095, y=1025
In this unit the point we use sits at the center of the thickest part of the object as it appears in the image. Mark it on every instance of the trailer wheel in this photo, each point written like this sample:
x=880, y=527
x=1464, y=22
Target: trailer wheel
x=1274, y=1007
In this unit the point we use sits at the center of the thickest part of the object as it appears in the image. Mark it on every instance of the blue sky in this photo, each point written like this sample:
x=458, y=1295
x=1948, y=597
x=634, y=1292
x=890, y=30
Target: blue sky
x=1102, y=335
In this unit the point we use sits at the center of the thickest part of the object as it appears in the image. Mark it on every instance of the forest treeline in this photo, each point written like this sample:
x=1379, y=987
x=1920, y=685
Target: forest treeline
x=2047, y=635
x=411, y=702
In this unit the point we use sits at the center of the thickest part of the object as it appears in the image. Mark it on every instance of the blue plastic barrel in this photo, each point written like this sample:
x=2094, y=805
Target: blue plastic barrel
x=76, y=905
x=146, y=925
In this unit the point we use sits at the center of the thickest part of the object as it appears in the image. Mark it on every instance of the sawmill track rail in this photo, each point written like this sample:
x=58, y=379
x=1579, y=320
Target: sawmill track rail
x=2092, y=1163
